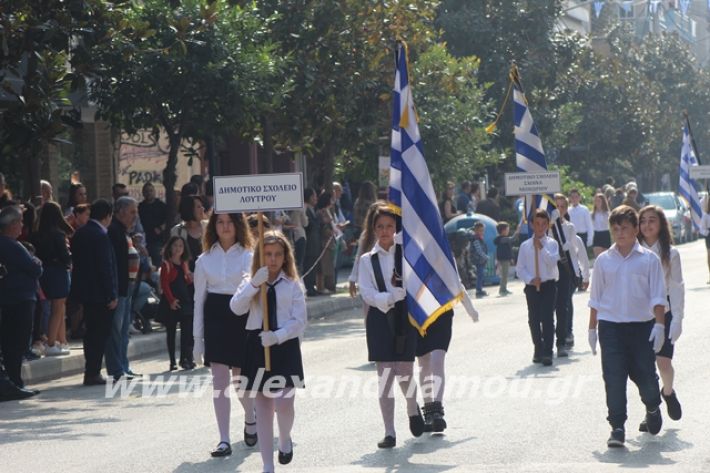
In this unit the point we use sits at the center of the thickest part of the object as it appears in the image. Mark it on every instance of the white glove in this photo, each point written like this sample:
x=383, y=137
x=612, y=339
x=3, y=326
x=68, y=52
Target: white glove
x=397, y=294
x=468, y=305
x=198, y=350
x=592, y=336
x=260, y=277
x=676, y=329
x=657, y=336
x=268, y=338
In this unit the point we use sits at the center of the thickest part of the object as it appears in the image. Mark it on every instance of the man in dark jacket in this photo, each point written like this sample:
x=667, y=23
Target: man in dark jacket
x=95, y=285
x=490, y=206
x=18, y=293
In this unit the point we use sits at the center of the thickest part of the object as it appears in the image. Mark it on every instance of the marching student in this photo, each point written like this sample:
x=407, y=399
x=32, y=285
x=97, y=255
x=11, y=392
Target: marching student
x=391, y=339
x=218, y=334
x=537, y=267
x=177, y=299
x=627, y=303
x=655, y=234
x=286, y=306
x=581, y=261
x=600, y=219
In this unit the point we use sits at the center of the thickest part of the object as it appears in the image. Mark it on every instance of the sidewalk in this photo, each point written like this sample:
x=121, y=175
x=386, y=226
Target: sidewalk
x=143, y=346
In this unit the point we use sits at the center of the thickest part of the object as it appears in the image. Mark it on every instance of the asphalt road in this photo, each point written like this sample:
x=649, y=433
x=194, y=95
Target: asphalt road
x=504, y=414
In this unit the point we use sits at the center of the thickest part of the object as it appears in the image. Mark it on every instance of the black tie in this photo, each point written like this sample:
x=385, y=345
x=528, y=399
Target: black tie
x=271, y=304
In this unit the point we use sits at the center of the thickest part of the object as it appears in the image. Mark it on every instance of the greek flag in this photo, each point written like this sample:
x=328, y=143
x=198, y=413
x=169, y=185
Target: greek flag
x=529, y=155
x=429, y=271
x=688, y=188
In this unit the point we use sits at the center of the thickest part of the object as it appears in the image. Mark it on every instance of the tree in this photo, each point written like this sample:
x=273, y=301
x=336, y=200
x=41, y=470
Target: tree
x=39, y=39
x=193, y=69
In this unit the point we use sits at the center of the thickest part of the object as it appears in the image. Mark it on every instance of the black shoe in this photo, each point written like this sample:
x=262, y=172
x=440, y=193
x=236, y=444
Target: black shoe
x=9, y=391
x=643, y=426
x=173, y=367
x=546, y=361
x=130, y=375
x=223, y=449
x=438, y=423
x=537, y=359
x=569, y=342
x=285, y=458
x=616, y=439
x=416, y=423
x=562, y=352
x=250, y=439
x=96, y=380
x=387, y=442
x=674, y=410
x=654, y=421
x=481, y=294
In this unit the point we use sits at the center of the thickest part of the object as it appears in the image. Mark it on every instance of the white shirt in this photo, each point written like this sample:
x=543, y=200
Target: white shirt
x=547, y=259
x=625, y=289
x=673, y=276
x=705, y=224
x=371, y=295
x=290, y=307
x=582, y=221
x=219, y=272
x=569, y=231
x=601, y=221
x=581, y=260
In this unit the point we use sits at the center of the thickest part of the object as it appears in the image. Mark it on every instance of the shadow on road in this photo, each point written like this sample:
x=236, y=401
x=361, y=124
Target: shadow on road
x=646, y=450
x=398, y=458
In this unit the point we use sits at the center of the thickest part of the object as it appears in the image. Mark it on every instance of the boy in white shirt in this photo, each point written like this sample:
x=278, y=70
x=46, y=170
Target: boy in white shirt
x=537, y=267
x=627, y=301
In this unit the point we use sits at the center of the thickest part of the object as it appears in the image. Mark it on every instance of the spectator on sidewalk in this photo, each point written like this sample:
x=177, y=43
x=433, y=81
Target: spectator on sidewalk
x=299, y=220
x=19, y=293
x=464, y=199
x=46, y=191
x=127, y=265
x=447, y=205
x=153, y=214
x=504, y=255
x=52, y=249
x=490, y=206
x=95, y=286
x=328, y=234
x=192, y=227
x=480, y=257
x=77, y=196
x=581, y=218
x=313, y=242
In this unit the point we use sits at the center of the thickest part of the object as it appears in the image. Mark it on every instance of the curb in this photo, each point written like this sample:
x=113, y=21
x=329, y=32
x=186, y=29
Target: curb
x=143, y=346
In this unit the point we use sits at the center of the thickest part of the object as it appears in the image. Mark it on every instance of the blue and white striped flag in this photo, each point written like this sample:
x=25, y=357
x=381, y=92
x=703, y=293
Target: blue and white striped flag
x=529, y=155
x=688, y=188
x=428, y=269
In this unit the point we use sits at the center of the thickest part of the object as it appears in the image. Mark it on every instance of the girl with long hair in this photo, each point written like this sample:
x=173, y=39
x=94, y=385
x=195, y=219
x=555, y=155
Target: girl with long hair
x=364, y=244
x=219, y=336
x=655, y=234
x=600, y=222
x=177, y=300
x=286, y=307
x=391, y=339
x=50, y=241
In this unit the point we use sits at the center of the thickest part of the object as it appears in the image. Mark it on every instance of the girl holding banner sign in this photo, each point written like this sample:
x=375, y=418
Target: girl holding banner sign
x=219, y=335
x=286, y=312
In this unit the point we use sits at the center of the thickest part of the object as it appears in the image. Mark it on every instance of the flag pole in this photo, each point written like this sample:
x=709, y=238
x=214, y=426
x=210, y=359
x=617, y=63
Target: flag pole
x=262, y=295
x=695, y=147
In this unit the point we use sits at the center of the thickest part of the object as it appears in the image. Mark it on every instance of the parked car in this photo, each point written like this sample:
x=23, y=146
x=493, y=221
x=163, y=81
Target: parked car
x=676, y=212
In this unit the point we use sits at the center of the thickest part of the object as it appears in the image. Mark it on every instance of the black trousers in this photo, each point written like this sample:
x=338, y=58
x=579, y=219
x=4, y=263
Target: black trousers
x=563, y=303
x=15, y=332
x=174, y=317
x=541, y=307
x=98, y=319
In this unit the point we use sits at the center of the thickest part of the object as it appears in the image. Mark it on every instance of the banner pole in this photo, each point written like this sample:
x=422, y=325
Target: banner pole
x=262, y=295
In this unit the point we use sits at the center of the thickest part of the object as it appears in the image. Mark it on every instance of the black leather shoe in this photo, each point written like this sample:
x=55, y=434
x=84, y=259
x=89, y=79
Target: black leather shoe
x=173, y=366
x=285, y=458
x=416, y=423
x=250, y=439
x=387, y=442
x=546, y=361
x=96, y=380
x=223, y=449
x=674, y=410
x=9, y=391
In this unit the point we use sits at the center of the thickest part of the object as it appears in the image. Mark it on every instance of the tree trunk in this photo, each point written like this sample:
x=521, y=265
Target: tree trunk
x=268, y=144
x=170, y=176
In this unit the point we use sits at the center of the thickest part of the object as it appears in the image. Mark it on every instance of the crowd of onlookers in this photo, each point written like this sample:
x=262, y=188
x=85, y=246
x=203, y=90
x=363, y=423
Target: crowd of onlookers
x=86, y=271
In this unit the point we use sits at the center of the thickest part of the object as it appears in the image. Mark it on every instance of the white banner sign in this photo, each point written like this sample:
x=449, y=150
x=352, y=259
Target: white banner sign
x=258, y=192
x=700, y=172
x=528, y=183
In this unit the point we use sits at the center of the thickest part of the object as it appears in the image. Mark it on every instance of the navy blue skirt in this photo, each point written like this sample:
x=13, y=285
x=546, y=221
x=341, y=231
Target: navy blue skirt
x=286, y=365
x=438, y=335
x=381, y=342
x=225, y=332
x=55, y=282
